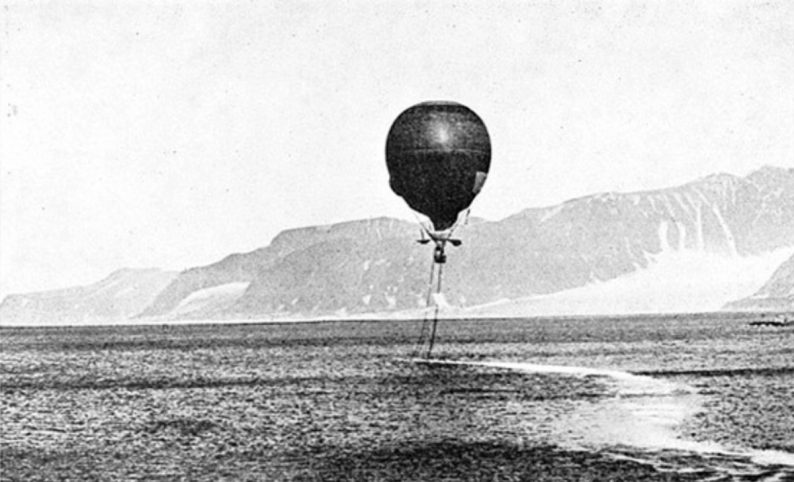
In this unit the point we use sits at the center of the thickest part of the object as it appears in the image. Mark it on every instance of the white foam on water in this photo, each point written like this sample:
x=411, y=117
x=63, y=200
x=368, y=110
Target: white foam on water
x=772, y=457
x=644, y=413
x=628, y=384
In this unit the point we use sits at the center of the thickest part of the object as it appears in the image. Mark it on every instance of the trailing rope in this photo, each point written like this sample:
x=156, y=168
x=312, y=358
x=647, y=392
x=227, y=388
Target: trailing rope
x=438, y=260
x=423, y=333
x=435, y=315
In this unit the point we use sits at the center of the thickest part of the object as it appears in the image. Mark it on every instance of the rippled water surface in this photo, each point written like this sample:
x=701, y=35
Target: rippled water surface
x=646, y=398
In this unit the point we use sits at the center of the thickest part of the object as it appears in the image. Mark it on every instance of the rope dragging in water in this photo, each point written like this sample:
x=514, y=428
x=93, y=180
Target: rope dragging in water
x=435, y=311
x=436, y=270
x=423, y=332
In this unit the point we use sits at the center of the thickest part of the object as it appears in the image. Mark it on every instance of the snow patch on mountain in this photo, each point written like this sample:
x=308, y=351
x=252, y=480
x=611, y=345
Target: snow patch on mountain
x=674, y=282
x=209, y=299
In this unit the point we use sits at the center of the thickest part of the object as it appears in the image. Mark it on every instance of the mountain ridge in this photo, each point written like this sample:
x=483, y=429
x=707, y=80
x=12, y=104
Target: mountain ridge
x=120, y=295
x=537, y=251
x=374, y=265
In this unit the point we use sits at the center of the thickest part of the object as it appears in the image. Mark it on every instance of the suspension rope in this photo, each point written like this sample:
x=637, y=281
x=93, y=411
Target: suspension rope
x=466, y=216
x=422, y=226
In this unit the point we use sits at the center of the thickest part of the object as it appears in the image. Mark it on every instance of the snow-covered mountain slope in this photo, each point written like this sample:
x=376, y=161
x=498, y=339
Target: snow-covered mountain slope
x=674, y=282
x=777, y=294
x=208, y=301
x=119, y=296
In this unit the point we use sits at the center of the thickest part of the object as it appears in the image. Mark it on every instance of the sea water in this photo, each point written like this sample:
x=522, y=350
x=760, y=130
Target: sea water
x=697, y=397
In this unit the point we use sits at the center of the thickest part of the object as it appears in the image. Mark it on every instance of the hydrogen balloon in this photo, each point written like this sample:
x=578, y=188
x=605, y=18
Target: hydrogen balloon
x=438, y=155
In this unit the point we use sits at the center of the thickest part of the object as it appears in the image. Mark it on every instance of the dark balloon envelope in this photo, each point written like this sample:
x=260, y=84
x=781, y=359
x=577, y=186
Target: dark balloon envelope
x=438, y=155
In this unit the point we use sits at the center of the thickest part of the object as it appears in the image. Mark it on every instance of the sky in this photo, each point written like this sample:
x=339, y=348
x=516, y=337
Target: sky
x=169, y=134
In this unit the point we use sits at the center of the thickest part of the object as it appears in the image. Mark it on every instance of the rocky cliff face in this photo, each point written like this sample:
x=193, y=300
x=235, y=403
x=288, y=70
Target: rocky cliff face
x=119, y=296
x=777, y=294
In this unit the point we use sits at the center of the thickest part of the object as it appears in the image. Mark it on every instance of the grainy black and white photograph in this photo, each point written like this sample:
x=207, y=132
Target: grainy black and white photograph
x=382, y=240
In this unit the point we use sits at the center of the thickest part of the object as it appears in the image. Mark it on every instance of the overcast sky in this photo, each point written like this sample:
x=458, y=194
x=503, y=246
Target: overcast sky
x=170, y=134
